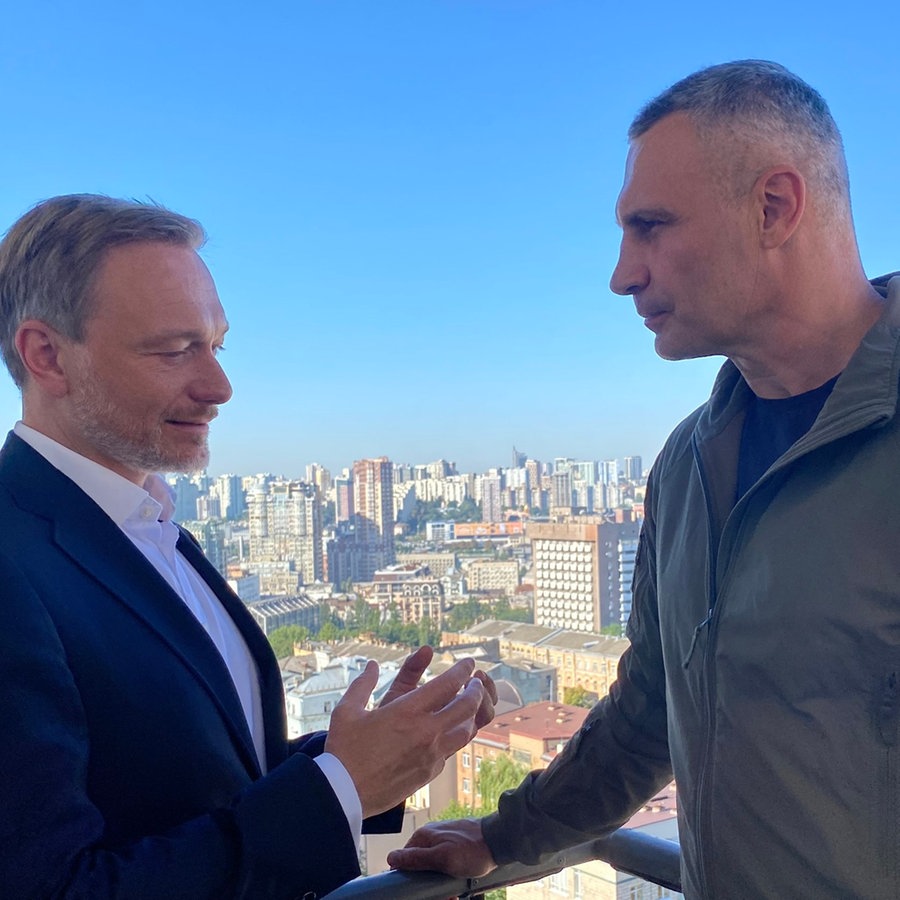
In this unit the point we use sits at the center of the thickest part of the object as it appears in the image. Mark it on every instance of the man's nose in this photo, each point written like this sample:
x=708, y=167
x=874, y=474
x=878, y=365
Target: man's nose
x=212, y=384
x=630, y=276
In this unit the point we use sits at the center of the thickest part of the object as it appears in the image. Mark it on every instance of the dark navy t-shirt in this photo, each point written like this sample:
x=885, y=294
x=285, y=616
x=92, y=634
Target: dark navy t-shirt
x=773, y=426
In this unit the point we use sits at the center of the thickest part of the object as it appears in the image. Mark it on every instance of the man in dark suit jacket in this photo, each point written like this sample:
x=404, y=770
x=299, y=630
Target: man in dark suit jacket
x=142, y=747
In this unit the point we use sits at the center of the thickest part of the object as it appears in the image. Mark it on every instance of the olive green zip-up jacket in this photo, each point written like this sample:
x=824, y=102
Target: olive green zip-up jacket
x=764, y=667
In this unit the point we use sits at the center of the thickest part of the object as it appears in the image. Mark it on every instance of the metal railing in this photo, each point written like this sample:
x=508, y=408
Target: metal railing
x=651, y=858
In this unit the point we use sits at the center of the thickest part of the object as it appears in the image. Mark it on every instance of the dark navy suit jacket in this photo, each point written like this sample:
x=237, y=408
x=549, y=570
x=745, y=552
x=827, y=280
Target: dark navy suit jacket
x=126, y=765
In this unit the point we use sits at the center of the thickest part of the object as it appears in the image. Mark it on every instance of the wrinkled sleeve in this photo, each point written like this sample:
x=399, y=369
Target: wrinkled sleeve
x=618, y=759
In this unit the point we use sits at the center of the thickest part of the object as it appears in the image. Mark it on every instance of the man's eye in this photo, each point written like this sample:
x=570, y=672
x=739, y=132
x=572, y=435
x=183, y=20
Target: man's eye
x=218, y=350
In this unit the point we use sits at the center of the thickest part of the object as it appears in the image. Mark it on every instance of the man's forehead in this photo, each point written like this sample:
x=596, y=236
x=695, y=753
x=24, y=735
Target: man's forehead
x=665, y=158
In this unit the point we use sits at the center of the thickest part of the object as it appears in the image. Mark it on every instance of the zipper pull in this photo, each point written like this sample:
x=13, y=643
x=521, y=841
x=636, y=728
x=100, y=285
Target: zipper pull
x=696, y=636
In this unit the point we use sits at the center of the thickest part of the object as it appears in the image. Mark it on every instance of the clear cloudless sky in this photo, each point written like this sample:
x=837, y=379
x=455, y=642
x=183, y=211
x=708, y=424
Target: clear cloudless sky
x=410, y=202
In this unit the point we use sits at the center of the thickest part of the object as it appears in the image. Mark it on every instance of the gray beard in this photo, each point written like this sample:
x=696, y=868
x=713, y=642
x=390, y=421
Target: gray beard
x=103, y=427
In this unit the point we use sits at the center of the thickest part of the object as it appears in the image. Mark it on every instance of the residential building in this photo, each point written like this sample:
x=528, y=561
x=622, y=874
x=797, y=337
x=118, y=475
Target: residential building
x=530, y=736
x=373, y=490
x=286, y=526
x=492, y=576
x=491, y=499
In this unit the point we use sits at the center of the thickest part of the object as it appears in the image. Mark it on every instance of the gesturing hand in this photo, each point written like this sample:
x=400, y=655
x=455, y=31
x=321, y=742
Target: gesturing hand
x=413, y=669
x=393, y=750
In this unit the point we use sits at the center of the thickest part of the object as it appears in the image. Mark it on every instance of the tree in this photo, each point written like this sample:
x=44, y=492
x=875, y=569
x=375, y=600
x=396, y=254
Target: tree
x=283, y=639
x=330, y=631
x=454, y=810
x=614, y=630
x=496, y=776
x=578, y=696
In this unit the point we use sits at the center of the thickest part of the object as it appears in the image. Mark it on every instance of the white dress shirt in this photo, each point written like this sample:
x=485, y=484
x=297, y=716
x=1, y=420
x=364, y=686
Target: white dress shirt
x=145, y=517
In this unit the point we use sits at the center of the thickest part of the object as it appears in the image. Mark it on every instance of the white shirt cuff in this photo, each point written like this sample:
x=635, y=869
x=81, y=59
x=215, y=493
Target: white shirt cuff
x=345, y=790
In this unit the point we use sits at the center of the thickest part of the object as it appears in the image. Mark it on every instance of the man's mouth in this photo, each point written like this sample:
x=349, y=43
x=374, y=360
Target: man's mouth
x=198, y=423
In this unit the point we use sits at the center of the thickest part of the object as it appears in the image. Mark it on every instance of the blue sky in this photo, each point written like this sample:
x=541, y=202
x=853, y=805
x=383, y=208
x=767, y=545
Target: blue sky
x=410, y=202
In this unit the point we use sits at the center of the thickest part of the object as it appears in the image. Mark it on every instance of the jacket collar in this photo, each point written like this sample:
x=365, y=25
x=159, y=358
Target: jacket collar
x=867, y=389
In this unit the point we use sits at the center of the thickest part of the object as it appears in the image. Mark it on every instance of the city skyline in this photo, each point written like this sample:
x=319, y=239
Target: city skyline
x=410, y=205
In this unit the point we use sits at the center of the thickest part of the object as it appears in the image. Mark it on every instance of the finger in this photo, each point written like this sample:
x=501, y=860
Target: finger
x=360, y=689
x=485, y=712
x=455, y=723
x=418, y=858
x=488, y=682
x=437, y=693
x=410, y=673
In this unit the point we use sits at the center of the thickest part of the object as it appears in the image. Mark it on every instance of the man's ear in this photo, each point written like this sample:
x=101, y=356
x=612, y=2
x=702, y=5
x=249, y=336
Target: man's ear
x=781, y=201
x=42, y=351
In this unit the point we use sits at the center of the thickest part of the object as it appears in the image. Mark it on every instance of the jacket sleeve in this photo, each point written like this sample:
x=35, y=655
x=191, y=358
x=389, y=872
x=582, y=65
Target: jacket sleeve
x=389, y=822
x=618, y=759
x=282, y=836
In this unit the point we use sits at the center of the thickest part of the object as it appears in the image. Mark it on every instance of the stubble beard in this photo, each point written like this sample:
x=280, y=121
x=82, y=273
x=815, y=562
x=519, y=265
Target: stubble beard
x=130, y=444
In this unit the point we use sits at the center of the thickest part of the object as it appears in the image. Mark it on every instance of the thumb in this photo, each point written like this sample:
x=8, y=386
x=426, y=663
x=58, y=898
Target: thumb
x=360, y=689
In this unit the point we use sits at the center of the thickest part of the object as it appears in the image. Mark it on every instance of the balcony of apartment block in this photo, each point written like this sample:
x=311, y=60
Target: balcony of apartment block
x=646, y=857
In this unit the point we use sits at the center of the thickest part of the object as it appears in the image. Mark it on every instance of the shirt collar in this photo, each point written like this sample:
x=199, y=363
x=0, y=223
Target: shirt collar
x=119, y=498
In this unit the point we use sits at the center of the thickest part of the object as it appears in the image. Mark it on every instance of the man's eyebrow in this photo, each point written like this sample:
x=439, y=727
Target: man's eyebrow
x=166, y=337
x=639, y=217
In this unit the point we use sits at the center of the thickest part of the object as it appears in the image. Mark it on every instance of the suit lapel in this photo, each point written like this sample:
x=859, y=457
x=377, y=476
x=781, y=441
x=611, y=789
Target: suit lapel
x=99, y=547
x=270, y=684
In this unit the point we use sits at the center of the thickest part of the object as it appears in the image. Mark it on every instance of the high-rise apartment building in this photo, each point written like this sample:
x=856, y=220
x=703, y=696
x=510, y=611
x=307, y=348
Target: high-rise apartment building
x=343, y=497
x=561, y=492
x=491, y=498
x=609, y=471
x=633, y=467
x=373, y=491
x=231, y=496
x=319, y=476
x=286, y=526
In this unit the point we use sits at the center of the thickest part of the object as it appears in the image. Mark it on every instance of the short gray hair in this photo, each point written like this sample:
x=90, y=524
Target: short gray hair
x=50, y=257
x=752, y=103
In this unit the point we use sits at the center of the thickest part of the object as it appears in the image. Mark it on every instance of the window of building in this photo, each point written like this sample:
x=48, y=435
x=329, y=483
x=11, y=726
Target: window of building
x=577, y=884
x=467, y=786
x=559, y=882
x=466, y=759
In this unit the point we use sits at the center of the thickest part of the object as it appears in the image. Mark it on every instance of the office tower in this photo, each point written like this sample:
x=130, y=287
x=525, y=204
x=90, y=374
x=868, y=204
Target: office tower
x=633, y=466
x=373, y=492
x=518, y=459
